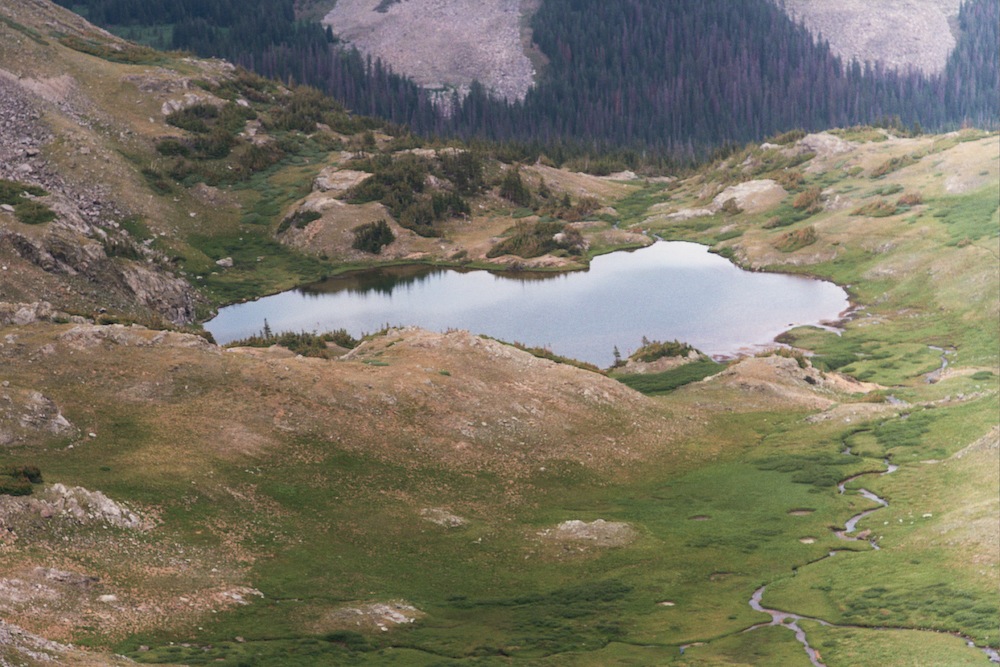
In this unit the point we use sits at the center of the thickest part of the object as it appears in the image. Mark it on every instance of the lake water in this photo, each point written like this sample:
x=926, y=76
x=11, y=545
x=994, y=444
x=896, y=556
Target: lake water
x=667, y=291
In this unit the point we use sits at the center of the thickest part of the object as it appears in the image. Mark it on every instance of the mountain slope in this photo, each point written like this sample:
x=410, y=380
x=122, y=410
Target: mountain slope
x=901, y=34
x=441, y=498
x=678, y=79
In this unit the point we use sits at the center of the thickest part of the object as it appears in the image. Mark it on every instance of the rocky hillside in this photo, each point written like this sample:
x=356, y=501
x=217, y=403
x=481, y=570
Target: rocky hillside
x=443, y=44
x=63, y=157
x=898, y=33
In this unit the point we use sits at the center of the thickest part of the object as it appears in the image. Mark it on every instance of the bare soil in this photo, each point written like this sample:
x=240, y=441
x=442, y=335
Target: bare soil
x=442, y=43
x=900, y=33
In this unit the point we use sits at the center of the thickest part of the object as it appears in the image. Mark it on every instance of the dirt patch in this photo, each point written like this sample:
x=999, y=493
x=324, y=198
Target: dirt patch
x=373, y=615
x=752, y=196
x=800, y=512
x=442, y=43
x=86, y=507
x=332, y=179
x=774, y=380
x=577, y=184
x=599, y=533
x=442, y=517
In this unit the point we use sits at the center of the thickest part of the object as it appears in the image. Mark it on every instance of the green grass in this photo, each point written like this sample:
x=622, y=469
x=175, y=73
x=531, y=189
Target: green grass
x=491, y=588
x=970, y=217
x=279, y=267
x=633, y=209
x=655, y=384
x=845, y=647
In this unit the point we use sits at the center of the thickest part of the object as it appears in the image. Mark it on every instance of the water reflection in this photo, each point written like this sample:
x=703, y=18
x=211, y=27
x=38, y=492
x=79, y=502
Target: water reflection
x=666, y=291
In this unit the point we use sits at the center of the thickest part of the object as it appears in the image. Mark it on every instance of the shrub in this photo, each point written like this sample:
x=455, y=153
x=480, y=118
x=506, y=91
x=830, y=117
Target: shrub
x=653, y=350
x=449, y=205
x=18, y=480
x=31, y=212
x=306, y=344
x=879, y=208
x=305, y=108
x=808, y=200
x=297, y=220
x=371, y=237
x=11, y=192
x=465, y=170
x=512, y=188
x=193, y=118
x=787, y=137
x=254, y=158
x=893, y=164
x=14, y=486
x=172, y=146
x=31, y=473
x=653, y=384
x=790, y=179
x=419, y=217
x=131, y=54
x=797, y=239
x=156, y=180
x=214, y=145
x=529, y=240
x=910, y=199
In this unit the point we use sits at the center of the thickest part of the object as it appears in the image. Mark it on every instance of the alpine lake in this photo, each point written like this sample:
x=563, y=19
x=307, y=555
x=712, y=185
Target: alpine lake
x=666, y=291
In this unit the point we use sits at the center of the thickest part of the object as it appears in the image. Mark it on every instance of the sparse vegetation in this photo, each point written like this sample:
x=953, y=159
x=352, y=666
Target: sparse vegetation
x=251, y=464
x=652, y=350
x=534, y=239
x=26, y=210
x=18, y=480
x=305, y=343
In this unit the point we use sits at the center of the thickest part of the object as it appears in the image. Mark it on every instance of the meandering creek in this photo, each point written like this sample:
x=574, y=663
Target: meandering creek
x=667, y=291
x=790, y=620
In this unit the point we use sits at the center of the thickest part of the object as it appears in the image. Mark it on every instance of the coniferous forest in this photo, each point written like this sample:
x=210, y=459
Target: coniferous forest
x=676, y=79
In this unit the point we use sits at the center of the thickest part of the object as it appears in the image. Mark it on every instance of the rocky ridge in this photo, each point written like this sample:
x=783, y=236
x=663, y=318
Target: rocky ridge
x=86, y=240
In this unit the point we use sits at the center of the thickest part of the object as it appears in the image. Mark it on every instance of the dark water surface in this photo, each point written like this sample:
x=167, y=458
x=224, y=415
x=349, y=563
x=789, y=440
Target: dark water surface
x=670, y=290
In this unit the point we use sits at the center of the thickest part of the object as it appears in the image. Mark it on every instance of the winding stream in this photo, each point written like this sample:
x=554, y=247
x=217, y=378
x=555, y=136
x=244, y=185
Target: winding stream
x=936, y=374
x=790, y=620
x=852, y=523
x=786, y=620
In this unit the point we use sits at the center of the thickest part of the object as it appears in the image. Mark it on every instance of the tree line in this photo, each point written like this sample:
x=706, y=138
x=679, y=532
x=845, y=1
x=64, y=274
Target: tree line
x=676, y=79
